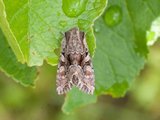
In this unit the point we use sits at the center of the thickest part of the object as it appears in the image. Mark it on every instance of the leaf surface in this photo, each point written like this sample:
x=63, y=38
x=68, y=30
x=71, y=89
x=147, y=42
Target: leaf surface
x=21, y=73
x=121, y=43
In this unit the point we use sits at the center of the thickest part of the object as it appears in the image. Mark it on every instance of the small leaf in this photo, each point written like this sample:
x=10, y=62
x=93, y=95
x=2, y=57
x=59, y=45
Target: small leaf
x=12, y=68
x=154, y=33
x=75, y=99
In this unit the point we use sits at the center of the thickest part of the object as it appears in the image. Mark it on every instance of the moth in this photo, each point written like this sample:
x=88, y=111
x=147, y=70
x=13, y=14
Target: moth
x=75, y=66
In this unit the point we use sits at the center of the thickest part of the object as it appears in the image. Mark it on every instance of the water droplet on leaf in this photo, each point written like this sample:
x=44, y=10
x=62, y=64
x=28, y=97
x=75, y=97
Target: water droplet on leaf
x=73, y=8
x=113, y=15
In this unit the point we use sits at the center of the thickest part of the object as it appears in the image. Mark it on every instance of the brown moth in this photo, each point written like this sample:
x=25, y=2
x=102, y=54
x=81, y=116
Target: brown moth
x=75, y=66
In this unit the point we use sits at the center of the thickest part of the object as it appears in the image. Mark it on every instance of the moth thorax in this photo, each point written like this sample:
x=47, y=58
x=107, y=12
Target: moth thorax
x=75, y=46
x=75, y=59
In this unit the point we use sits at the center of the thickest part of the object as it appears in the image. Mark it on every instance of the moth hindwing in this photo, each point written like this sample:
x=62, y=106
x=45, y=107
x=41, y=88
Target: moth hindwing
x=75, y=66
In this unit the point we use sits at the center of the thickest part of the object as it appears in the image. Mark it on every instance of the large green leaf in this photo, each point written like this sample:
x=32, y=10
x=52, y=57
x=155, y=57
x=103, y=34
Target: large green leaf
x=12, y=68
x=121, y=47
x=34, y=27
x=121, y=43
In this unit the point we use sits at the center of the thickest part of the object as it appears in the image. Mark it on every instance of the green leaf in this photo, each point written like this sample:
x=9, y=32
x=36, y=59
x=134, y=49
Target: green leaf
x=75, y=99
x=9, y=34
x=9, y=65
x=34, y=27
x=121, y=43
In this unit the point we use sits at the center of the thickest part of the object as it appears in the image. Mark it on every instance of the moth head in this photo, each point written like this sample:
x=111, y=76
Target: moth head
x=74, y=32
